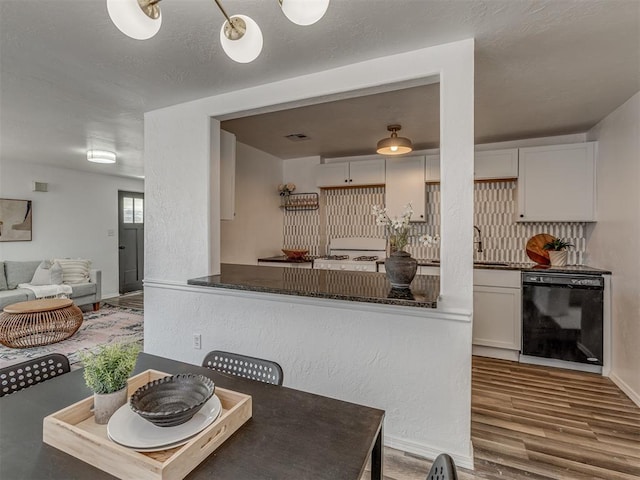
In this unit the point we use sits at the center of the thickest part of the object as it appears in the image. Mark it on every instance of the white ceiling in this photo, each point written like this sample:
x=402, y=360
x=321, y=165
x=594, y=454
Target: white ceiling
x=69, y=80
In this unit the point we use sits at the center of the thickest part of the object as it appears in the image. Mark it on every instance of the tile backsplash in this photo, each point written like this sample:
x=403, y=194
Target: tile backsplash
x=347, y=213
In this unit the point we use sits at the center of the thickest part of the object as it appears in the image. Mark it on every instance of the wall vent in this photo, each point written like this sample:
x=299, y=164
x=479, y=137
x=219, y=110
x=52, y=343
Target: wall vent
x=40, y=187
x=297, y=137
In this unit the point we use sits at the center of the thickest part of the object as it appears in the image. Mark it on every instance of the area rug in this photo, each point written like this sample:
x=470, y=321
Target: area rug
x=108, y=325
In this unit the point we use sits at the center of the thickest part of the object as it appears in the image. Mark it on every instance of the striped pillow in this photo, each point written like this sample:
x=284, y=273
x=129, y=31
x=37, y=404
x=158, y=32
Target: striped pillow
x=74, y=270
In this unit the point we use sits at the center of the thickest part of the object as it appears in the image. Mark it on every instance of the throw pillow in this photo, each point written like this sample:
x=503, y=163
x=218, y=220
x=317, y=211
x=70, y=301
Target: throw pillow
x=74, y=270
x=3, y=278
x=47, y=274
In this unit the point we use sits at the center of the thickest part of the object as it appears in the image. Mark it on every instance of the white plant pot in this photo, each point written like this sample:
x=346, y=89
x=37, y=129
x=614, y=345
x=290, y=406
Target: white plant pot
x=106, y=404
x=558, y=259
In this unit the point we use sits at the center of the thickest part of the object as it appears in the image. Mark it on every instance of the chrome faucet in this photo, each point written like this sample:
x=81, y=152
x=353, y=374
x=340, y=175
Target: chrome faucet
x=479, y=242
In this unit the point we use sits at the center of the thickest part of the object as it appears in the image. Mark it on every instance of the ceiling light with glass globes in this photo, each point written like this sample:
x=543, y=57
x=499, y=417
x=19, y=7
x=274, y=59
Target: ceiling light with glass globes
x=240, y=35
x=394, y=145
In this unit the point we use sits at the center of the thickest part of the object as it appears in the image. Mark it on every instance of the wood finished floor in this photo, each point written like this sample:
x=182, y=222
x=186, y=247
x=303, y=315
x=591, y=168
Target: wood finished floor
x=130, y=300
x=540, y=423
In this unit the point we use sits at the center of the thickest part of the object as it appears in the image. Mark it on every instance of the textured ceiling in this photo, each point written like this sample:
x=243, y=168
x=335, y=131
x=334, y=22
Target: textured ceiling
x=69, y=80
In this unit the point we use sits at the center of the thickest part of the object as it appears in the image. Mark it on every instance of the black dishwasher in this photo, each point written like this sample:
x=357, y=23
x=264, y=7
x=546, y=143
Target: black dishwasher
x=562, y=319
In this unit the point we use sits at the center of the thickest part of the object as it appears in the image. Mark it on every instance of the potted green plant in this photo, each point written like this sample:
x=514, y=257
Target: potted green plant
x=106, y=373
x=558, y=251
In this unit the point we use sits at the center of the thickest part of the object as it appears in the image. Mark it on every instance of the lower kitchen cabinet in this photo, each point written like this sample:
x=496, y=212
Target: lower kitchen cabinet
x=497, y=299
x=496, y=317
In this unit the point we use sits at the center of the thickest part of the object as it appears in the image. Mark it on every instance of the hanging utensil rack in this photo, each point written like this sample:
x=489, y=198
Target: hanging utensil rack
x=300, y=201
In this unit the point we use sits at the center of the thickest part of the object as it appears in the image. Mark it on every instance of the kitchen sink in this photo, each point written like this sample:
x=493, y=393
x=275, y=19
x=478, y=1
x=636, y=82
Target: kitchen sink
x=478, y=264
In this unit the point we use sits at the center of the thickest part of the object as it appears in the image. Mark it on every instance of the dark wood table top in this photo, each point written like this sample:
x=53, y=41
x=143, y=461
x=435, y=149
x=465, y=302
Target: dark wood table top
x=292, y=434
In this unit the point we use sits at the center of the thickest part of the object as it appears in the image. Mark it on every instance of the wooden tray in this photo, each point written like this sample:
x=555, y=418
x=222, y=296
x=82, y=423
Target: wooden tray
x=74, y=431
x=535, y=248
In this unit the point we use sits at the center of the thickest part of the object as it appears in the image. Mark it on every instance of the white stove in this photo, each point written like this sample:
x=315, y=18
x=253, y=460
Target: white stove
x=353, y=254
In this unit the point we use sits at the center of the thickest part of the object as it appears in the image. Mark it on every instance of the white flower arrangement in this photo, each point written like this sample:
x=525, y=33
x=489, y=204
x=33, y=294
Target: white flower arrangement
x=286, y=188
x=398, y=229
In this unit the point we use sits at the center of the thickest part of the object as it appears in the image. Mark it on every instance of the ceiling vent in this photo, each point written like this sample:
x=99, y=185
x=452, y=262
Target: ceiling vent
x=297, y=137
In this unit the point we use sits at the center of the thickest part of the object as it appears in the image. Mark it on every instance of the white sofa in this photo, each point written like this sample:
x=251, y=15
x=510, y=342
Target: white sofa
x=13, y=273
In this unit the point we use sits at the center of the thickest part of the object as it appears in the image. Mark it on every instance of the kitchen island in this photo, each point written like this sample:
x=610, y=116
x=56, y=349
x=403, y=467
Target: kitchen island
x=329, y=284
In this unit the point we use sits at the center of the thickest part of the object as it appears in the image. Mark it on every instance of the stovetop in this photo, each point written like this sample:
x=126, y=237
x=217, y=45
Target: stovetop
x=360, y=258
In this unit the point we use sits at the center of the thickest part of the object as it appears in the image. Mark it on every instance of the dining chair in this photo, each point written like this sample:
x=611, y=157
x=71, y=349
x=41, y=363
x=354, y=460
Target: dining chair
x=443, y=468
x=37, y=370
x=244, y=366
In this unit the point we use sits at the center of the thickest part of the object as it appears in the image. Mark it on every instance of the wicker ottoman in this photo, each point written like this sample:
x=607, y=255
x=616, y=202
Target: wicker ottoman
x=39, y=322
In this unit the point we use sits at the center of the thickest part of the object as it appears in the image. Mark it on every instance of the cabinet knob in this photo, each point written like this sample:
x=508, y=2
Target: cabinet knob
x=421, y=216
x=522, y=215
x=345, y=180
x=351, y=180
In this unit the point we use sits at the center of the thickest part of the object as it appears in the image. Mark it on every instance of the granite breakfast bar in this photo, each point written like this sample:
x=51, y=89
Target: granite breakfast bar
x=329, y=284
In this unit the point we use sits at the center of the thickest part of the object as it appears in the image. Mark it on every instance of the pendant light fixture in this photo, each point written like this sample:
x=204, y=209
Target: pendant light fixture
x=394, y=145
x=138, y=19
x=101, y=156
x=240, y=36
x=304, y=12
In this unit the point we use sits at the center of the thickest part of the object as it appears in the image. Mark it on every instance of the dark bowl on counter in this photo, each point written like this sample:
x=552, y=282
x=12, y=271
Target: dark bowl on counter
x=172, y=400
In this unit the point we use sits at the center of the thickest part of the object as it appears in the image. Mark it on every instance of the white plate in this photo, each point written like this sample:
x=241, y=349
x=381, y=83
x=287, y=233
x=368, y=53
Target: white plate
x=156, y=449
x=131, y=430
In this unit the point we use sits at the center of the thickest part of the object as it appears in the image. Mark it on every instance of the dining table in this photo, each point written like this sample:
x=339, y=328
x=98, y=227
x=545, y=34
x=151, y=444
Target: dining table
x=291, y=435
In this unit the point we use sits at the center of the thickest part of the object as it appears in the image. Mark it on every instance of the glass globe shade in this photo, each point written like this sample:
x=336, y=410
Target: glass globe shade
x=131, y=20
x=304, y=12
x=247, y=48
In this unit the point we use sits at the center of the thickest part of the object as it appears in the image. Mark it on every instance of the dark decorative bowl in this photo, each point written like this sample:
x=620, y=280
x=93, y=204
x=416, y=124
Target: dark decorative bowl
x=172, y=400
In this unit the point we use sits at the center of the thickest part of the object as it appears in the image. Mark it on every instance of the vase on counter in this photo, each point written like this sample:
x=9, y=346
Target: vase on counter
x=558, y=258
x=401, y=268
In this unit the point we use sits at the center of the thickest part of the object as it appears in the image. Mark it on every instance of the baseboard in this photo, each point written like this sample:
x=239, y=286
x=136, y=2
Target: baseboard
x=493, y=352
x=427, y=451
x=629, y=392
x=109, y=295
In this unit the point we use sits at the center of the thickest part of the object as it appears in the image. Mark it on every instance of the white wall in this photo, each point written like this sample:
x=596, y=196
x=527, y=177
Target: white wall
x=615, y=241
x=182, y=164
x=71, y=219
x=256, y=230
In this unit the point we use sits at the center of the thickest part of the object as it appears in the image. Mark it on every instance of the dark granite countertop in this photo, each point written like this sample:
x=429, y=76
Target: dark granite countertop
x=523, y=267
x=285, y=259
x=331, y=284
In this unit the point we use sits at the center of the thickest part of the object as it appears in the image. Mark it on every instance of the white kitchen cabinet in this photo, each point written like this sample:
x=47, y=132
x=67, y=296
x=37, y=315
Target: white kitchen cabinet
x=488, y=165
x=557, y=183
x=405, y=184
x=350, y=174
x=227, y=175
x=497, y=308
x=496, y=164
x=432, y=168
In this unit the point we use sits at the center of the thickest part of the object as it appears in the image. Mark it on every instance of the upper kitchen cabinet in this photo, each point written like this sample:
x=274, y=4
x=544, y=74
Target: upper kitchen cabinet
x=432, y=168
x=227, y=175
x=488, y=165
x=405, y=184
x=557, y=183
x=496, y=164
x=349, y=174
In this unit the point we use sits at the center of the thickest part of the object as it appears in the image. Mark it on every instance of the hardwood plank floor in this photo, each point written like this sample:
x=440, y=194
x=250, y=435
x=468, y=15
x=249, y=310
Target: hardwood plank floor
x=540, y=423
x=133, y=300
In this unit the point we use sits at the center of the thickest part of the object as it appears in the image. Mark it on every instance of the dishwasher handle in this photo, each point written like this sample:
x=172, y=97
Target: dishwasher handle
x=569, y=281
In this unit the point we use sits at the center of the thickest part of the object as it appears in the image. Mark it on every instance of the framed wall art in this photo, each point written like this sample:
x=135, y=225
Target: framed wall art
x=15, y=220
